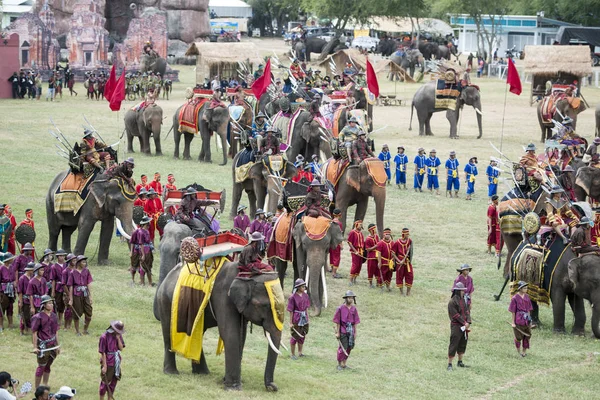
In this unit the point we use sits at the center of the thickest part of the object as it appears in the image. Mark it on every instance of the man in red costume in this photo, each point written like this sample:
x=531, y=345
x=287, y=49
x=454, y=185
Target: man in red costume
x=494, y=237
x=143, y=185
x=356, y=241
x=385, y=258
x=335, y=255
x=156, y=185
x=371, y=247
x=403, y=249
x=153, y=208
x=13, y=224
x=93, y=150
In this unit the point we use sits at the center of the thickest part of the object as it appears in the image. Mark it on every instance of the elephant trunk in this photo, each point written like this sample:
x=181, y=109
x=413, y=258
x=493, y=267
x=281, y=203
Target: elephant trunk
x=379, y=197
x=274, y=338
x=316, y=260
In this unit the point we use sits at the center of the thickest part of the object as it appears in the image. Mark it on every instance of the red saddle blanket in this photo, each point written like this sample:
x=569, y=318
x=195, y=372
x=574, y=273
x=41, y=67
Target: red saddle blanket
x=188, y=115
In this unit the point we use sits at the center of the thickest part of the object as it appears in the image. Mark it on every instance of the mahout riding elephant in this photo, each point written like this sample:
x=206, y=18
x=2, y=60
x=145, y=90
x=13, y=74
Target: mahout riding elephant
x=108, y=198
x=564, y=108
x=144, y=124
x=310, y=45
x=354, y=187
x=156, y=65
x=361, y=104
x=218, y=123
x=409, y=60
x=308, y=137
x=233, y=303
x=424, y=102
x=584, y=276
x=260, y=181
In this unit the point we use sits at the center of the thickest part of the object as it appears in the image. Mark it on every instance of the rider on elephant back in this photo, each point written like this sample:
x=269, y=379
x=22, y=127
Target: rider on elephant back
x=296, y=70
x=581, y=238
x=361, y=149
x=215, y=102
x=530, y=162
x=123, y=170
x=349, y=134
x=269, y=143
x=93, y=151
x=250, y=262
x=312, y=201
x=557, y=208
x=260, y=125
x=185, y=213
x=150, y=98
x=149, y=50
x=239, y=98
x=314, y=107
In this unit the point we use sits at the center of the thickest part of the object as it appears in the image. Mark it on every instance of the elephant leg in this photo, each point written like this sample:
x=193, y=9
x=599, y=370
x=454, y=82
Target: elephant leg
x=177, y=138
x=342, y=203
x=205, y=153
x=157, y=145
x=130, y=143
x=452, y=117
x=144, y=147
x=86, y=226
x=230, y=331
x=106, y=233
x=187, y=144
x=281, y=267
x=428, y=131
x=422, y=117
x=558, y=310
x=361, y=209
x=235, y=199
x=578, y=308
x=314, y=290
x=224, y=144
x=251, y=201
x=169, y=360
x=67, y=232
x=200, y=367
x=53, y=233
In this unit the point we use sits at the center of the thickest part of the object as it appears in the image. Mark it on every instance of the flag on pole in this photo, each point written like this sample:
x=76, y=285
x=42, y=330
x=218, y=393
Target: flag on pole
x=118, y=94
x=109, y=88
x=372, y=83
x=512, y=78
x=261, y=84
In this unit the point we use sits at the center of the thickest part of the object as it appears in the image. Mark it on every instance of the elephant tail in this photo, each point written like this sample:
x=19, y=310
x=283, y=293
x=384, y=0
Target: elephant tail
x=412, y=109
x=499, y=260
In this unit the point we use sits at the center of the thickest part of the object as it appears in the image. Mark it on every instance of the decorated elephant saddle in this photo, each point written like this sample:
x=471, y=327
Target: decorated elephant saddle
x=188, y=115
x=316, y=228
x=275, y=164
x=446, y=94
x=72, y=192
x=295, y=194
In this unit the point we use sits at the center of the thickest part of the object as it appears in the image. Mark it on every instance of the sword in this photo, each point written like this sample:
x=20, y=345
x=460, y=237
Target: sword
x=42, y=351
x=297, y=333
x=342, y=347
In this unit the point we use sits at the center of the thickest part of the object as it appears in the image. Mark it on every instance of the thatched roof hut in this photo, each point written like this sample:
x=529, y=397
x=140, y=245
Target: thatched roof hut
x=222, y=58
x=340, y=58
x=563, y=65
x=552, y=60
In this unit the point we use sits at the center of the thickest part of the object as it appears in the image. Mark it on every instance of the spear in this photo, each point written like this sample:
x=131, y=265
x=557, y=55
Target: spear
x=94, y=129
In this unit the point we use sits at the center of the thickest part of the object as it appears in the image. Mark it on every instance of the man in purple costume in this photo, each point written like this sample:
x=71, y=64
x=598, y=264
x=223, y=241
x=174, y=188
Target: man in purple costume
x=298, y=305
x=346, y=320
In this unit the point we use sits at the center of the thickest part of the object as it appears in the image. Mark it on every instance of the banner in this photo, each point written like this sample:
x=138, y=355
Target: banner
x=227, y=26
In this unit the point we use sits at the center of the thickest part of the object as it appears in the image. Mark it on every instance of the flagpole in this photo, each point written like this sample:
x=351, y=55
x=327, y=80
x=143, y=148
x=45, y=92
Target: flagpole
x=503, y=113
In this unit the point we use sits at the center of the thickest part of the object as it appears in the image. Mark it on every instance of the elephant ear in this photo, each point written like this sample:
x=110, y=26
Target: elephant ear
x=240, y=293
x=305, y=131
x=353, y=177
x=584, y=178
x=99, y=191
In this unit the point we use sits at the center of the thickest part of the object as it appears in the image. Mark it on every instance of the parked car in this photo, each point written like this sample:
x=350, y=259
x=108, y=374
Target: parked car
x=365, y=43
x=315, y=31
x=327, y=36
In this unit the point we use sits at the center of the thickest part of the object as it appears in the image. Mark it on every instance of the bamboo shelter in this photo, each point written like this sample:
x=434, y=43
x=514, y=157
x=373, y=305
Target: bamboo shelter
x=222, y=59
x=340, y=59
x=561, y=65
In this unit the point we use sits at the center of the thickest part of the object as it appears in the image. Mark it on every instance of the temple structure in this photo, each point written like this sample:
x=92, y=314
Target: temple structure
x=87, y=39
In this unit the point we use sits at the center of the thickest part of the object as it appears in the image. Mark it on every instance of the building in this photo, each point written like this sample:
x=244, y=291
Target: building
x=513, y=31
x=229, y=9
x=10, y=10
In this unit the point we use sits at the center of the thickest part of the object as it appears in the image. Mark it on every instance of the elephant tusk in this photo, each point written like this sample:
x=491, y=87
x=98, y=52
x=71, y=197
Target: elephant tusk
x=324, y=286
x=283, y=345
x=478, y=111
x=271, y=344
x=307, y=276
x=121, y=230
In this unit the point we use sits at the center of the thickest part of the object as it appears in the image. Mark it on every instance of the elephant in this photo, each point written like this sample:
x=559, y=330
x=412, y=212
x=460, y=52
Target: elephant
x=446, y=52
x=234, y=303
x=564, y=108
x=310, y=45
x=424, y=102
x=597, y=115
x=237, y=124
x=156, y=65
x=144, y=124
x=108, y=199
x=362, y=104
x=355, y=186
x=585, y=278
x=429, y=50
x=218, y=123
x=587, y=183
x=333, y=46
x=307, y=138
x=386, y=47
x=257, y=185
x=409, y=60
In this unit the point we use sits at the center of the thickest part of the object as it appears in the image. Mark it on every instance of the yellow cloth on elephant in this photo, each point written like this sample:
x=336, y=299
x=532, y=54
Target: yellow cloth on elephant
x=277, y=301
x=190, y=298
x=241, y=173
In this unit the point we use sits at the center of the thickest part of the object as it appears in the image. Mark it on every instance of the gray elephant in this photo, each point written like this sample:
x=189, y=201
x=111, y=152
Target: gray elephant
x=409, y=60
x=446, y=51
x=584, y=275
x=233, y=303
x=144, y=124
x=259, y=182
x=108, y=198
x=218, y=122
x=587, y=183
x=361, y=104
x=424, y=102
x=564, y=108
x=310, y=45
x=387, y=46
x=156, y=65
x=308, y=137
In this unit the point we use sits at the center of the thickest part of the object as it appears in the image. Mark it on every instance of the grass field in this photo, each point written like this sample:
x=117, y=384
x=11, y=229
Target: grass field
x=402, y=347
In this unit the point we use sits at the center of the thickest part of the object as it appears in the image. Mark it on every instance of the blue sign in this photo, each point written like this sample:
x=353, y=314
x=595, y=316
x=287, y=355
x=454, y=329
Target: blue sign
x=217, y=26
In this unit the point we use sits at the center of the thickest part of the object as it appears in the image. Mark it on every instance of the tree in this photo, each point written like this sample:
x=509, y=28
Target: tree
x=266, y=13
x=342, y=11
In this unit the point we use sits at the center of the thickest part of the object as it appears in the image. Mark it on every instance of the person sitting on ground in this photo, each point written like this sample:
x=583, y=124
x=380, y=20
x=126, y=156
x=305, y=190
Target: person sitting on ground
x=361, y=149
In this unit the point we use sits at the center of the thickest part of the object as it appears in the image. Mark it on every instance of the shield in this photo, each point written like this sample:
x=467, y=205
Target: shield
x=531, y=223
x=520, y=174
x=138, y=214
x=162, y=221
x=24, y=234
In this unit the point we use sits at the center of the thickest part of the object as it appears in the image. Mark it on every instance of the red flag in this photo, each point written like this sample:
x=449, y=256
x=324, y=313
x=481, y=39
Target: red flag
x=118, y=94
x=109, y=88
x=372, y=79
x=512, y=78
x=261, y=84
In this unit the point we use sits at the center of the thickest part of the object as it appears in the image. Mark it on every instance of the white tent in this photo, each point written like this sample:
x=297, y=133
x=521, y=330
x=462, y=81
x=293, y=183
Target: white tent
x=230, y=8
x=399, y=25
